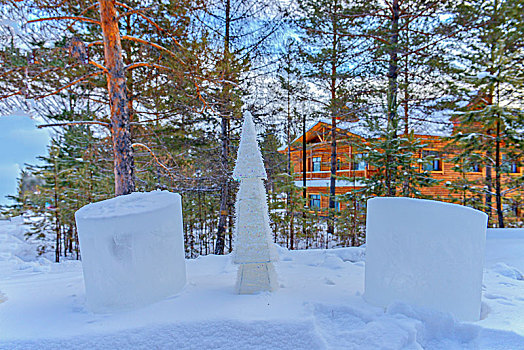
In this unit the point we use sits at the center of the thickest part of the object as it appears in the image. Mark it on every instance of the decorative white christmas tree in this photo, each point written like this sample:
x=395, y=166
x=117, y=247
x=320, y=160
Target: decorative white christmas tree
x=254, y=251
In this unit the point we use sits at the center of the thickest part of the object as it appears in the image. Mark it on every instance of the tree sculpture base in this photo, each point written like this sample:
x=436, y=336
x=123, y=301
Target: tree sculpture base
x=254, y=278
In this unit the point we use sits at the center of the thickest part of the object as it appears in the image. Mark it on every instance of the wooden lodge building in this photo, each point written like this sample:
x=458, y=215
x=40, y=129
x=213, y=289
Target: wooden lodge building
x=353, y=168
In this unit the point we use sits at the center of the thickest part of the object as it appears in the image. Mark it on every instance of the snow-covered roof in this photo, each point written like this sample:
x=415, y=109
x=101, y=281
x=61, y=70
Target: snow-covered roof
x=358, y=128
x=438, y=125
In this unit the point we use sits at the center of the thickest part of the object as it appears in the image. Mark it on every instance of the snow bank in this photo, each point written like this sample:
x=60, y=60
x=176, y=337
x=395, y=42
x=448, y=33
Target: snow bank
x=132, y=250
x=228, y=334
x=319, y=305
x=425, y=253
x=505, y=246
x=505, y=233
x=18, y=252
x=508, y=271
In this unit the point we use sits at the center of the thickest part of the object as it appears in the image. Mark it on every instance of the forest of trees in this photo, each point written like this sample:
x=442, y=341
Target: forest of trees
x=145, y=95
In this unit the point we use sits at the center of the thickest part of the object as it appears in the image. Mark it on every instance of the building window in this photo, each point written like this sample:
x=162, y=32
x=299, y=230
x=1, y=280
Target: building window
x=358, y=162
x=474, y=168
x=316, y=163
x=509, y=165
x=314, y=201
x=338, y=163
x=433, y=162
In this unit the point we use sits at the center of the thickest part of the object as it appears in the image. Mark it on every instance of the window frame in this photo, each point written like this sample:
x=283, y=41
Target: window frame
x=314, y=200
x=313, y=163
x=437, y=157
x=355, y=165
x=473, y=170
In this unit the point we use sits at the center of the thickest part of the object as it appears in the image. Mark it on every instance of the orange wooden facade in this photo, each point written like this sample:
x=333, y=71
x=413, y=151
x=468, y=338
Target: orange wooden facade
x=318, y=147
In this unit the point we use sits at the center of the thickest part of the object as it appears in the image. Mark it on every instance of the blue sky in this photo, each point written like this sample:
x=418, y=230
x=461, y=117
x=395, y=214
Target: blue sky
x=20, y=142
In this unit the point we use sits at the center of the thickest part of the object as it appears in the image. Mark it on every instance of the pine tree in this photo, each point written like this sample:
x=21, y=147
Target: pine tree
x=254, y=251
x=329, y=52
x=289, y=108
x=491, y=68
x=141, y=63
x=397, y=161
x=74, y=173
x=241, y=31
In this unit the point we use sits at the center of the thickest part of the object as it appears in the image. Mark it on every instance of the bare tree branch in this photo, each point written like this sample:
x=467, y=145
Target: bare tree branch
x=146, y=64
x=81, y=19
x=171, y=53
x=150, y=21
x=87, y=122
x=156, y=159
x=98, y=65
x=70, y=84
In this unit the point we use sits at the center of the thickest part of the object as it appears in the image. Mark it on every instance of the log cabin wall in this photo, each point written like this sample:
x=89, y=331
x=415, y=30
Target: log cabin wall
x=318, y=165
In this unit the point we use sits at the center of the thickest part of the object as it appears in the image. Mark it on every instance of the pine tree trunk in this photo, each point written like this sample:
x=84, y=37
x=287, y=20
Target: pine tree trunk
x=70, y=239
x=224, y=187
x=488, y=180
x=57, y=217
x=224, y=191
x=304, y=182
x=406, y=81
x=498, y=195
x=392, y=91
x=128, y=59
x=118, y=101
x=334, y=105
x=405, y=184
x=77, y=248
x=231, y=224
x=289, y=201
x=221, y=232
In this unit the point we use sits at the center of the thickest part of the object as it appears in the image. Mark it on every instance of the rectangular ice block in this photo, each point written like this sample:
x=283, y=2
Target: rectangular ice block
x=132, y=250
x=425, y=253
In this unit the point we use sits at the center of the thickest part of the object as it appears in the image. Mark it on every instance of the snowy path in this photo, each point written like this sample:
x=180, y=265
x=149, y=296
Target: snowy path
x=319, y=306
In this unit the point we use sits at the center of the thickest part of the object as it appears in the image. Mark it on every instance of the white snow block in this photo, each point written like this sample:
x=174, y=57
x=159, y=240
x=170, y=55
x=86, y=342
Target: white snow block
x=254, y=278
x=425, y=253
x=132, y=250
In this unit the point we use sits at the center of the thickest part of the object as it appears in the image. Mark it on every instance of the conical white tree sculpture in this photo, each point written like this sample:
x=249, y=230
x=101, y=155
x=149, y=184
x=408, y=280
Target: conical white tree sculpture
x=254, y=251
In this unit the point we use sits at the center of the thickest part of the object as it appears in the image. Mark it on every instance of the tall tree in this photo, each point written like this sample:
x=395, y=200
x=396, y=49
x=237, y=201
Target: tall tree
x=118, y=99
x=490, y=67
x=329, y=52
x=242, y=29
x=159, y=42
x=404, y=62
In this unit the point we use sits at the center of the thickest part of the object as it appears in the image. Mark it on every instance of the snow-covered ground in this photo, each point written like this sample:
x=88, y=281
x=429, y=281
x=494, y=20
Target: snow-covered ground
x=318, y=306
